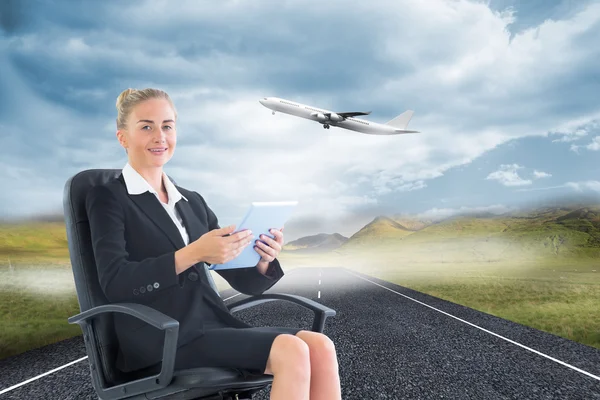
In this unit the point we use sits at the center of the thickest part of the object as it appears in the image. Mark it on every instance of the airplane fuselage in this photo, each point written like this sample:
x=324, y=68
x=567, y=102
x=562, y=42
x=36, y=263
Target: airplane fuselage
x=326, y=117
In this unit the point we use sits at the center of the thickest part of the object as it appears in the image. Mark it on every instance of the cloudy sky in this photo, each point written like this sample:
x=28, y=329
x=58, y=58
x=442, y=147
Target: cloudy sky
x=505, y=95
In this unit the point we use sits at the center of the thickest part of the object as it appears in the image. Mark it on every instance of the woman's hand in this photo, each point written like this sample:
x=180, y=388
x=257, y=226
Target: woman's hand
x=220, y=245
x=268, y=249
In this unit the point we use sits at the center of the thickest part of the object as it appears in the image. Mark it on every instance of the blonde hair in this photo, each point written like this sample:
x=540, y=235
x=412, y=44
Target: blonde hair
x=129, y=98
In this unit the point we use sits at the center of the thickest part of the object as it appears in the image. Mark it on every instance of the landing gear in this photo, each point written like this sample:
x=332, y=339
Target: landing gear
x=325, y=126
x=273, y=113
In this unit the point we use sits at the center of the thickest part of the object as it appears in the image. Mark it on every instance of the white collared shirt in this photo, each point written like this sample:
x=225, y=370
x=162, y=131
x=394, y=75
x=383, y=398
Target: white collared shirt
x=136, y=184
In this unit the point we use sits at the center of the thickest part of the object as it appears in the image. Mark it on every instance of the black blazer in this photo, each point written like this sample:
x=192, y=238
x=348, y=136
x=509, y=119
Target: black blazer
x=134, y=242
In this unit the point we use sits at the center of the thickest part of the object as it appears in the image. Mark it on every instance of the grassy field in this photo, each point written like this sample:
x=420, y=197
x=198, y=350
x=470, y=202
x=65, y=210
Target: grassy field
x=539, y=270
x=37, y=293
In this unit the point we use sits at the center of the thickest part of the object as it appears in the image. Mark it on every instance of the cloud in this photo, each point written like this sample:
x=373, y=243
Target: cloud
x=540, y=174
x=574, y=130
x=572, y=136
x=508, y=176
x=436, y=214
x=593, y=186
x=473, y=85
x=595, y=145
x=542, y=188
x=578, y=186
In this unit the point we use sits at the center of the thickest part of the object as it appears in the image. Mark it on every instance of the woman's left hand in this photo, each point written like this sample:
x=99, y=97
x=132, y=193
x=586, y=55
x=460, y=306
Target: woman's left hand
x=269, y=250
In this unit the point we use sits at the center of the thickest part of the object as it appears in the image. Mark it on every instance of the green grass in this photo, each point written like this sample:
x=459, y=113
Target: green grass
x=31, y=320
x=34, y=243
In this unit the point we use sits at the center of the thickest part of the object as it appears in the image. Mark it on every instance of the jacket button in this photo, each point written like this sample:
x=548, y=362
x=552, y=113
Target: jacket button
x=135, y=292
x=192, y=276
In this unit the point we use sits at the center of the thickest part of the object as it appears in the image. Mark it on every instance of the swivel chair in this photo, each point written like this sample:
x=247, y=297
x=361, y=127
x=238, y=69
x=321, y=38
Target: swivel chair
x=101, y=344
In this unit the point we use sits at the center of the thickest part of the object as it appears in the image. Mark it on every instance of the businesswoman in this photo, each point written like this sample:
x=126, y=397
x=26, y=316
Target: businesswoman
x=151, y=240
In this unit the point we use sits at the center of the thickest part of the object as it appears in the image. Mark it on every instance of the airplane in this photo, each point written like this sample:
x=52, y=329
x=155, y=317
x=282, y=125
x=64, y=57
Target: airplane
x=344, y=120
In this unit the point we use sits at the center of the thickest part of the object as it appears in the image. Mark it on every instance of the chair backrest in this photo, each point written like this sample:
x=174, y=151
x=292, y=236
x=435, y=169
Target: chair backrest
x=83, y=264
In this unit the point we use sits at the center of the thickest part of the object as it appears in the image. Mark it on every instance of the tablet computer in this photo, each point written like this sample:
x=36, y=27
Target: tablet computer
x=260, y=218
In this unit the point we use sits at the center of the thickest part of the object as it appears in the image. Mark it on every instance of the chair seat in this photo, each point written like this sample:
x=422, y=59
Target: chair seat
x=213, y=377
x=197, y=382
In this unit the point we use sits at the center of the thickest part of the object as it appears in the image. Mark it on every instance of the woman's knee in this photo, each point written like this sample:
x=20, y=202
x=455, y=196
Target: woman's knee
x=321, y=346
x=325, y=352
x=327, y=344
x=291, y=353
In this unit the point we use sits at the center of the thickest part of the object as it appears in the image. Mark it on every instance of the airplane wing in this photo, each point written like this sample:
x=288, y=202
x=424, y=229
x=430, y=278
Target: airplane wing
x=353, y=114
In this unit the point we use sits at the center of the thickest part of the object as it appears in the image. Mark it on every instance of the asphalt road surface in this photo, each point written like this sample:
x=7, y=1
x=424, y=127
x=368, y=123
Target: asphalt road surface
x=392, y=343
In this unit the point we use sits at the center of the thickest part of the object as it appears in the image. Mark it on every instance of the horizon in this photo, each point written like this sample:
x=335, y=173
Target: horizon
x=434, y=216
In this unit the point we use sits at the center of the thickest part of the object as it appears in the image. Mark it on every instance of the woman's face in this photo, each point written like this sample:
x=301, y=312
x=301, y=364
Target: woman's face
x=150, y=137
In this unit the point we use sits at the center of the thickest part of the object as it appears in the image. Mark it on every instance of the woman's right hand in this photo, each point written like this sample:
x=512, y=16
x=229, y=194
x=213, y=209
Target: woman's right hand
x=220, y=245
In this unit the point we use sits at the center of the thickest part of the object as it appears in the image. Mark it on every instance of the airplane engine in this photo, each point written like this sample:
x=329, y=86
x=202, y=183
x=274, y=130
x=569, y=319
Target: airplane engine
x=320, y=117
x=335, y=117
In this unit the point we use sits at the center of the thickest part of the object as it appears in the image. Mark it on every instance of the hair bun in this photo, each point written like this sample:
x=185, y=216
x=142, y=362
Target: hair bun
x=123, y=96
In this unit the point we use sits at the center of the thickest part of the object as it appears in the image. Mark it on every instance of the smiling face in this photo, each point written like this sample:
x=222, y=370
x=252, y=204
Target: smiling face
x=150, y=135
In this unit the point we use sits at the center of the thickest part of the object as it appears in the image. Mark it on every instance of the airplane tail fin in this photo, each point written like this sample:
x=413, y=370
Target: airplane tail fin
x=402, y=120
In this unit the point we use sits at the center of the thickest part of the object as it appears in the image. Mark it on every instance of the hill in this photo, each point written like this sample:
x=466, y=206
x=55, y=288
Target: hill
x=585, y=220
x=564, y=232
x=316, y=243
x=411, y=223
x=380, y=232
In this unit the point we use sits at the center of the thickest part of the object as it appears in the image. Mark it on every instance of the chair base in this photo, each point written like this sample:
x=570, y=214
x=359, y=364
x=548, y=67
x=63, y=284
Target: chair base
x=191, y=394
x=196, y=394
x=199, y=394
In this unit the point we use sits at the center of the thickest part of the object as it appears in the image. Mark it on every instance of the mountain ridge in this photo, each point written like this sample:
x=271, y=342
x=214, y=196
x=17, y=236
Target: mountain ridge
x=560, y=230
x=318, y=242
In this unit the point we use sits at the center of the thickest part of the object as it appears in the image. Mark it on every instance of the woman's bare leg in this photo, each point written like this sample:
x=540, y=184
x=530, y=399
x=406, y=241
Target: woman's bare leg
x=289, y=363
x=324, y=375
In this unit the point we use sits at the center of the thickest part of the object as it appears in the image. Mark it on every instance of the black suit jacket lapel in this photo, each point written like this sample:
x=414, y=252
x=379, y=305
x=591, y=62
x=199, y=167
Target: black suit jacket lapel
x=189, y=219
x=151, y=206
x=192, y=225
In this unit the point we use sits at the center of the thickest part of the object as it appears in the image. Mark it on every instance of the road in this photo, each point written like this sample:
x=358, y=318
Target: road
x=392, y=343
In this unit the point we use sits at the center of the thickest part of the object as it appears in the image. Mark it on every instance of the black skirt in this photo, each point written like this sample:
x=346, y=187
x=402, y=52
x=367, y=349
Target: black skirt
x=223, y=346
x=239, y=348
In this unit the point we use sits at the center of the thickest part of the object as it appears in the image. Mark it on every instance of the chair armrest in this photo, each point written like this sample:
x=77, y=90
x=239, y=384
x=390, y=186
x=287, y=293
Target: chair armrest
x=140, y=311
x=321, y=311
x=148, y=315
